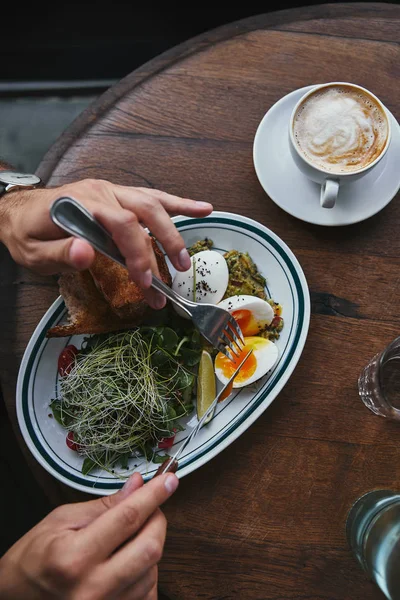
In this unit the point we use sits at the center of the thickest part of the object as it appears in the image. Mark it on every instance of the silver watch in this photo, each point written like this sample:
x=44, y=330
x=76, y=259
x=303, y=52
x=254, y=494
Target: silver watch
x=10, y=180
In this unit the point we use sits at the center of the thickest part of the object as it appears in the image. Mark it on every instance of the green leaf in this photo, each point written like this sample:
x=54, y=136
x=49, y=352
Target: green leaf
x=184, y=380
x=171, y=413
x=159, y=458
x=170, y=339
x=196, y=338
x=88, y=465
x=124, y=460
x=159, y=358
x=190, y=357
x=56, y=410
x=59, y=414
x=187, y=395
x=178, y=427
x=148, y=451
x=188, y=408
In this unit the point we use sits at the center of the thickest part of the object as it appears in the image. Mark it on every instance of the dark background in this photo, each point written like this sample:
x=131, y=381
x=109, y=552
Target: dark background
x=79, y=47
x=88, y=41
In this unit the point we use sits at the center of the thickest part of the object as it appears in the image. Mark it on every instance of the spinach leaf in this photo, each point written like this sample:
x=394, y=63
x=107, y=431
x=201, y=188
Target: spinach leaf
x=88, y=465
x=160, y=458
x=159, y=358
x=184, y=380
x=190, y=357
x=59, y=414
x=124, y=460
x=169, y=338
x=178, y=427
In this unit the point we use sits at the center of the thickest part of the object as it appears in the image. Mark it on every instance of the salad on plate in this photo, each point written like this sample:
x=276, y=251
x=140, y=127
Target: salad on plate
x=124, y=395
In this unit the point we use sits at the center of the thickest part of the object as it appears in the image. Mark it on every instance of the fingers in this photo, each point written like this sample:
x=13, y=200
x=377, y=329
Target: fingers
x=154, y=298
x=101, y=537
x=151, y=212
x=124, y=211
x=134, y=562
x=180, y=206
x=136, y=246
x=55, y=256
x=134, y=482
x=80, y=255
x=133, y=242
x=79, y=515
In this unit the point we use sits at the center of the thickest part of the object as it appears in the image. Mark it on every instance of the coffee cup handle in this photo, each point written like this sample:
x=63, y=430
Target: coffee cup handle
x=329, y=193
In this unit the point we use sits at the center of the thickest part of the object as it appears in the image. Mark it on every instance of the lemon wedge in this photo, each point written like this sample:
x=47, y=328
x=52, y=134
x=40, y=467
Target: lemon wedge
x=206, y=386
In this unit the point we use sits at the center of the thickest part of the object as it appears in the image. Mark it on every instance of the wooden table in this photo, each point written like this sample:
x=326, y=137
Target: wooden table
x=264, y=519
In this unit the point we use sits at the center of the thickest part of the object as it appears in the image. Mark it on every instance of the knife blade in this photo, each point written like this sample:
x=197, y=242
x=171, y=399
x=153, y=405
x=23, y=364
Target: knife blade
x=171, y=463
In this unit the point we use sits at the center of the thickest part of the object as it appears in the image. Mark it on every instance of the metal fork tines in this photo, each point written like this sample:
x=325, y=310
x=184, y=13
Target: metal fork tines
x=232, y=337
x=214, y=323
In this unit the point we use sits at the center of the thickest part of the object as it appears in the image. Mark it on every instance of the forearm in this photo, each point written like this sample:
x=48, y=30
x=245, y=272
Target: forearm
x=4, y=166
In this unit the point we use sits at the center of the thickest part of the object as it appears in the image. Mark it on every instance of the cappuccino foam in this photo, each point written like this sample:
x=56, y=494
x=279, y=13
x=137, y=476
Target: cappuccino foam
x=340, y=129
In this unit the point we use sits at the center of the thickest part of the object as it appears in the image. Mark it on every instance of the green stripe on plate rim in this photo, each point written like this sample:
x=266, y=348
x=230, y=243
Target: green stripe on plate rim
x=183, y=224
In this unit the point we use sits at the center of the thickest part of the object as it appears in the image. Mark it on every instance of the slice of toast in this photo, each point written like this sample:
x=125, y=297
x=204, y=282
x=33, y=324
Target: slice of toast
x=124, y=297
x=89, y=311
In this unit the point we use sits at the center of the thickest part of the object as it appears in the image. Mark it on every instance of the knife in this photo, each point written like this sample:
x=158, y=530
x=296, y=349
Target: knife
x=171, y=463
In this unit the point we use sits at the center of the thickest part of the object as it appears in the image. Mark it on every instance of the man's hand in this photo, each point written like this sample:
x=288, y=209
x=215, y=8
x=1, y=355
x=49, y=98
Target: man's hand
x=106, y=548
x=34, y=241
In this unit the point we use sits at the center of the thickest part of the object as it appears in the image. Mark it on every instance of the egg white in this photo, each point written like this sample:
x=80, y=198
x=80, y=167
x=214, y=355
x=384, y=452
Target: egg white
x=209, y=276
x=266, y=354
x=262, y=312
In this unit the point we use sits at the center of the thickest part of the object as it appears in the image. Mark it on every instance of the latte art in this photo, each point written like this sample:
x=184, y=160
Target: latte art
x=340, y=129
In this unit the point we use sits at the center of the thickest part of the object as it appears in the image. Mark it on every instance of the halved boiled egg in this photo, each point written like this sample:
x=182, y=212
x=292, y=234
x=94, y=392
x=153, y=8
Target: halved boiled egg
x=263, y=358
x=205, y=281
x=252, y=314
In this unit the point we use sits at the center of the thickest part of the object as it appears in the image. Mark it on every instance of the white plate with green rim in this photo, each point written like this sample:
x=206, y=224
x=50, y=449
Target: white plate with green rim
x=38, y=376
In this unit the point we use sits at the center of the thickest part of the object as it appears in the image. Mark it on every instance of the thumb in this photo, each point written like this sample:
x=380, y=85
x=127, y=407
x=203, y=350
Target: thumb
x=65, y=254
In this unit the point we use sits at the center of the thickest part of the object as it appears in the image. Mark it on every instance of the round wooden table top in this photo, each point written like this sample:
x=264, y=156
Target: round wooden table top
x=266, y=517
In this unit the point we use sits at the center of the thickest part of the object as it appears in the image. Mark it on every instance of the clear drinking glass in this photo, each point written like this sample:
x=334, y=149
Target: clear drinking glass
x=373, y=534
x=379, y=382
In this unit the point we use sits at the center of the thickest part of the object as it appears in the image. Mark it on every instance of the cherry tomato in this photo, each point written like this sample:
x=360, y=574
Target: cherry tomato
x=166, y=442
x=66, y=359
x=72, y=445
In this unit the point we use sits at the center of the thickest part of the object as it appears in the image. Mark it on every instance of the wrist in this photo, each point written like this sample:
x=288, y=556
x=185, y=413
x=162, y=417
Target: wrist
x=9, y=203
x=4, y=206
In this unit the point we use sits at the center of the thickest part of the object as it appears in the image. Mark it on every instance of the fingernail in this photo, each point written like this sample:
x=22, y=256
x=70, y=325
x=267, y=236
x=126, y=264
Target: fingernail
x=73, y=249
x=159, y=301
x=129, y=486
x=171, y=483
x=184, y=259
x=201, y=204
x=146, y=278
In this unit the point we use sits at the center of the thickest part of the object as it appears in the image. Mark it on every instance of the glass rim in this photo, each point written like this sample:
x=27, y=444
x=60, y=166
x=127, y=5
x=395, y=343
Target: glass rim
x=381, y=361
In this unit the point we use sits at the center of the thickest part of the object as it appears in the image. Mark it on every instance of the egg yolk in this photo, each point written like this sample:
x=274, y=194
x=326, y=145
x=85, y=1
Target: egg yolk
x=246, y=321
x=227, y=366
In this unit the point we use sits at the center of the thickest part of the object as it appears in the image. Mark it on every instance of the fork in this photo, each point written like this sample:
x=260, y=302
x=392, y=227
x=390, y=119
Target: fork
x=215, y=324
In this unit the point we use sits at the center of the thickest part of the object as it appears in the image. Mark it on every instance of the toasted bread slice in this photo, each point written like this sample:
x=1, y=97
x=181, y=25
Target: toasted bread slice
x=89, y=311
x=124, y=297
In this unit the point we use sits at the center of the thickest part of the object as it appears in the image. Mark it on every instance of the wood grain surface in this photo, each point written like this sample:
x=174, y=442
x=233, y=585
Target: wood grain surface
x=266, y=518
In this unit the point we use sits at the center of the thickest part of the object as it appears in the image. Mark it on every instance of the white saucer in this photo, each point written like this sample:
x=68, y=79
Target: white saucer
x=296, y=194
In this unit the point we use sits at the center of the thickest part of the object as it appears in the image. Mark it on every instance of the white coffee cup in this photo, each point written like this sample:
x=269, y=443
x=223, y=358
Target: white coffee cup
x=338, y=122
